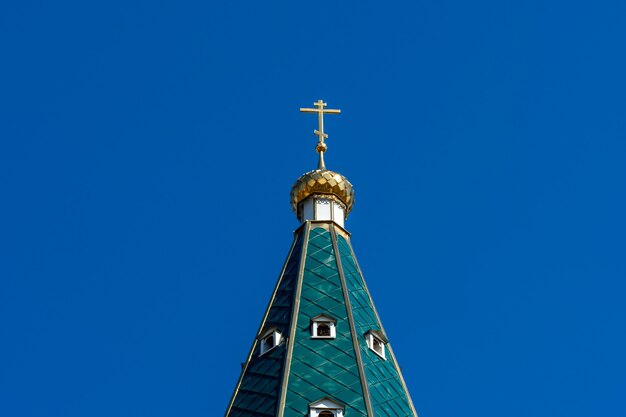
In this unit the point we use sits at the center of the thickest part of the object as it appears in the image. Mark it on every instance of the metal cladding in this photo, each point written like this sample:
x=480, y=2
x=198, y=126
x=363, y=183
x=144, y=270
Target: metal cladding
x=321, y=276
x=322, y=181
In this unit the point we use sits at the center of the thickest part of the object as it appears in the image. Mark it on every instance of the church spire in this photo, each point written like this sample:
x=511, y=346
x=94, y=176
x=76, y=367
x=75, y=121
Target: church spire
x=321, y=349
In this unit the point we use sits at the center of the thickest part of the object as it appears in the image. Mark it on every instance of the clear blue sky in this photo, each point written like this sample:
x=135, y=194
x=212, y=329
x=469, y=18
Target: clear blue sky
x=147, y=149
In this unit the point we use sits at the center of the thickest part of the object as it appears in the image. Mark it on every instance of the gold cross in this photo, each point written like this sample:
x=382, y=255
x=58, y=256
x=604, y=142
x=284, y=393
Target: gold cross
x=320, y=110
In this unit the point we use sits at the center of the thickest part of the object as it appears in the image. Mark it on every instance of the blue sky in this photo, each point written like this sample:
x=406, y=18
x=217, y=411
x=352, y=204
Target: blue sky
x=147, y=150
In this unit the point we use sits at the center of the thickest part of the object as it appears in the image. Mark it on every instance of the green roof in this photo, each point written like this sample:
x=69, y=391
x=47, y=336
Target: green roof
x=321, y=276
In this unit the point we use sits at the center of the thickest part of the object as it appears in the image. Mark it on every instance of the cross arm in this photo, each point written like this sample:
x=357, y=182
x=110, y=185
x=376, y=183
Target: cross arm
x=325, y=111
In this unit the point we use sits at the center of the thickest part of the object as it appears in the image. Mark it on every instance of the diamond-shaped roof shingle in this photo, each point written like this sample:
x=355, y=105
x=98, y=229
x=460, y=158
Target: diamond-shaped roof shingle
x=321, y=276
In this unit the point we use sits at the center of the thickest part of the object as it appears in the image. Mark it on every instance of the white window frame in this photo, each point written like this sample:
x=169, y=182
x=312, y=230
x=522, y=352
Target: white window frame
x=277, y=337
x=370, y=337
x=322, y=318
x=326, y=404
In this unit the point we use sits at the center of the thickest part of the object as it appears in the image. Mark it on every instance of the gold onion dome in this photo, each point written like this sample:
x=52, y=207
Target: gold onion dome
x=322, y=181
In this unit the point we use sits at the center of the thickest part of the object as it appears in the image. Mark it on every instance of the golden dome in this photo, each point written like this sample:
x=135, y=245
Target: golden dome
x=322, y=181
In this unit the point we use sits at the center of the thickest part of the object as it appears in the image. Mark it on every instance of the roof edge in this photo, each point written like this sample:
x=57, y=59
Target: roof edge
x=294, y=321
x=355, y=337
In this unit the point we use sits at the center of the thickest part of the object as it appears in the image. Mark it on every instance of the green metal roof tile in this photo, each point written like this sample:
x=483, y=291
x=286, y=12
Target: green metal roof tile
x=321, y=368
x=259, y=388
x=387, y=393
x=329, y=365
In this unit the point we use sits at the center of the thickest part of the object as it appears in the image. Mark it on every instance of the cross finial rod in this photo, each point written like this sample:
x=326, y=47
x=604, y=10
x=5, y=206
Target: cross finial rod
x=321, y=135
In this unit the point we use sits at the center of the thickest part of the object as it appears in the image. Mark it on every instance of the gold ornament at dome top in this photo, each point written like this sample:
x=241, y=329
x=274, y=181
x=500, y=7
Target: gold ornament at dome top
x=322, y=181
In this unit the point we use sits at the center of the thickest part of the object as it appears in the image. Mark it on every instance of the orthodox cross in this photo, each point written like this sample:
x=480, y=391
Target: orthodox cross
x=320, y=110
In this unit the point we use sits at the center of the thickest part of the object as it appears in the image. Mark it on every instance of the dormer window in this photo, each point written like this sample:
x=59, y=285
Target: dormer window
x=376, y=341
x=270, y=339
x=323, y=327
x=326, y=407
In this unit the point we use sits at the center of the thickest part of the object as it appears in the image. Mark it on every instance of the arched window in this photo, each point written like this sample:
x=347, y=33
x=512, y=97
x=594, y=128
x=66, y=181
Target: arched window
x=270, y=339
x=376, y=341
x=378, y=346
x=326, y=414
x=323, y=327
